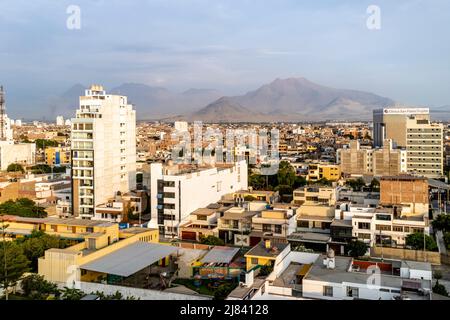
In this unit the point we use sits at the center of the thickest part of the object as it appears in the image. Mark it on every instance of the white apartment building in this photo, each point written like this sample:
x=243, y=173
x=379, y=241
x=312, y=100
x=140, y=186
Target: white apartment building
x=425, y=147
x=59, y=120
x=373, y=224
x=178, y=190
x=344, y=278
x=103, y=141
x=411, y=128
x=21, y=153
x=181, y=126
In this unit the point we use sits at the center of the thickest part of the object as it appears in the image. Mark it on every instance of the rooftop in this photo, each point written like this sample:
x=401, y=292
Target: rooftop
x=204, y=212
x=220, y=254
x=130, y=259
x=260, y=250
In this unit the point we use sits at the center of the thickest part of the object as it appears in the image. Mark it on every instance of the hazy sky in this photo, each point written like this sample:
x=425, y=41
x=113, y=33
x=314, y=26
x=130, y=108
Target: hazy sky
x=229, y=45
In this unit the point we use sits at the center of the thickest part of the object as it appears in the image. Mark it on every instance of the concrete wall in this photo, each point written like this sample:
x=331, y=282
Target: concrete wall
x=405, y=254
x=142, y=294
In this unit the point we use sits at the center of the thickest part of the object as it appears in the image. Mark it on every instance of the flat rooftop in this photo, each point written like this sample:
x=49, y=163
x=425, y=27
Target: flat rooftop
x=204, y=212
x=260, y=250
x=78, y=222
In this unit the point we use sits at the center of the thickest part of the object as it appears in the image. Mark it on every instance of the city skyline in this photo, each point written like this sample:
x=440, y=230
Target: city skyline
x=233, y=48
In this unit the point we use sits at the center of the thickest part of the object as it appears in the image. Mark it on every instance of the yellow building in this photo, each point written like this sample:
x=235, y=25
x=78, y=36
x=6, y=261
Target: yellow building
x=266, y=253
x=331, y=172
x=79, y=229
x=57, y=155
x=63, y=265
x=18, y=227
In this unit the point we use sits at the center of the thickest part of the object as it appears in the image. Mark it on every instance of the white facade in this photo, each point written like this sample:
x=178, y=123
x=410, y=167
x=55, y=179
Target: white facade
x=59, y=120
x=174, y=194
x=103, y=141
x=21, y=153
x=343, y=283
x=370, y=223
x=181, y=126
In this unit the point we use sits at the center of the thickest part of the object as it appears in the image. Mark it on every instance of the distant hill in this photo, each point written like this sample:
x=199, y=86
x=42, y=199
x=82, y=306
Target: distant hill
x=149, y=102
x=293, y=99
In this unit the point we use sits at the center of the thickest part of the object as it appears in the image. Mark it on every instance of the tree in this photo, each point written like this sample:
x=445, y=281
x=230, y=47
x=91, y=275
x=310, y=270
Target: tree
x=286, y=174
x=13, y=264
x=442, y=222
x=22, y=207
x=299, y=182
x=375, y=185
x=284, y=191
x=72, y=294
x=447, y=239
x=324, y=182
x=116, y=296
x=356, y=185
x=15, y=167
x=37, y=288
x=35, y=246
x=256, y=181
x=211, y=240
x=356, y=248
x=43, y=143
x=440, y=289
x=416, y=241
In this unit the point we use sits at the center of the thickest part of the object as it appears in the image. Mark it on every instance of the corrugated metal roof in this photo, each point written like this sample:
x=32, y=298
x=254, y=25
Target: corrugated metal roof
x=130, y=259
x=220, y=255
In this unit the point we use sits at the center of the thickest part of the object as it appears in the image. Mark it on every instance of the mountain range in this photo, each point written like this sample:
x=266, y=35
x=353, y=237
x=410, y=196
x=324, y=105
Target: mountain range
x=292, y=99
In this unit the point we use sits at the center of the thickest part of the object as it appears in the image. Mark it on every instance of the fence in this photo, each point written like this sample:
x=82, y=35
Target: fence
x=406, y=254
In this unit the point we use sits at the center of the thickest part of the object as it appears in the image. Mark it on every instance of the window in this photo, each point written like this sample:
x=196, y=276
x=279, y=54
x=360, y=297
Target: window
x=169, y=195
x=303, y=224
x=397, y=228
x=267, y=227
x=254, y=261
x=327, y=291
x=364, y=225
x=382, y=227
x=278, y=229
x=384, y=217
x=169, y=183
x=352, y=292
x=363, y=235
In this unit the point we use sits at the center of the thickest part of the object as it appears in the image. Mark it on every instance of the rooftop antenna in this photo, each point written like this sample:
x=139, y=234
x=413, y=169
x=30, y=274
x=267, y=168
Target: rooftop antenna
x=2, y=114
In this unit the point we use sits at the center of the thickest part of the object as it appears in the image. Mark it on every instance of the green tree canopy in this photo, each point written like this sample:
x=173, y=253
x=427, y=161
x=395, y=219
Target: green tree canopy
x=375, y=185
x=356, y=185
x=416, y=241
x=286, y=174
x=256, y=181
x=45, y=168
x=357, y=248
x=442, y=222
x=16, y=263
x=22, y=207
x=72, y=294
x=35, y=246
x=36, y=287
x=211, y=240
x=43, y=143
x=15, y=167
